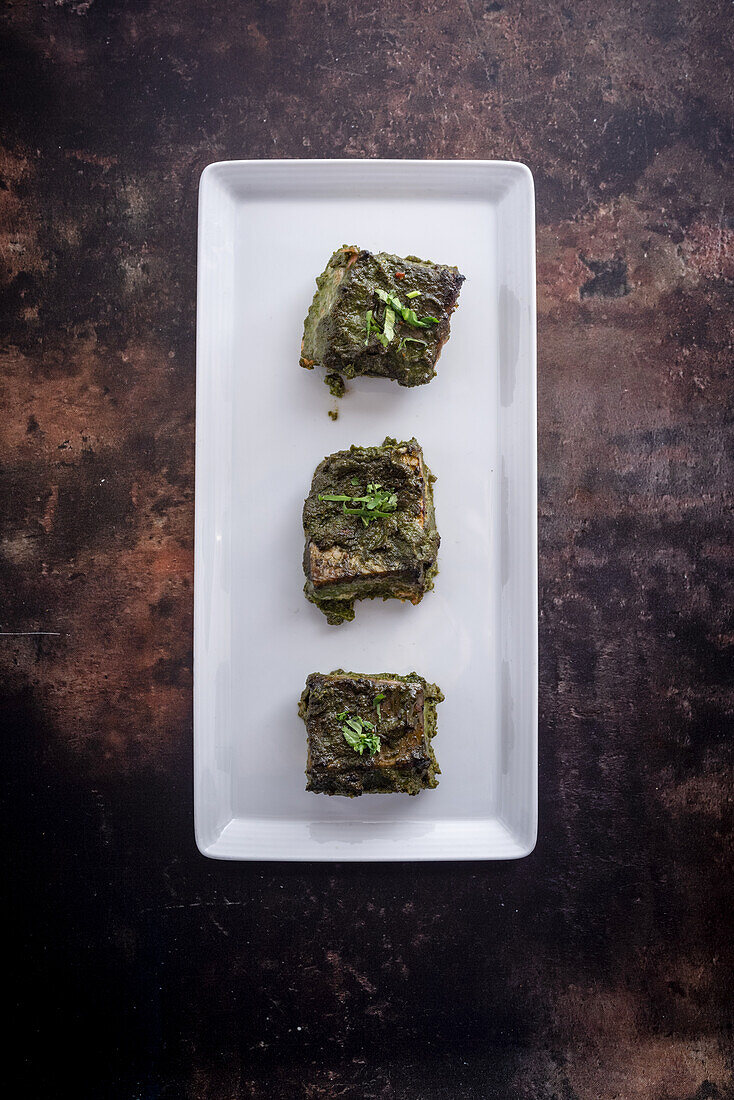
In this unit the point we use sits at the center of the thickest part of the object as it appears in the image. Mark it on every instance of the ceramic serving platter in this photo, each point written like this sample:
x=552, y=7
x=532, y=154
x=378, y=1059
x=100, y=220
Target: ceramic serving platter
x=266, y=229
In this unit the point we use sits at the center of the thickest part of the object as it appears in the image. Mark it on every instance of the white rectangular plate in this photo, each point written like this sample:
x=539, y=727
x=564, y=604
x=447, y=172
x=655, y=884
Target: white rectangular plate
x=266, y=230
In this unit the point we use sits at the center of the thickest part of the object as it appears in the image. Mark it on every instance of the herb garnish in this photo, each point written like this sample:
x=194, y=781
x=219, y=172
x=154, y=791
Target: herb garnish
x=377, y=503
x=394, y=308
x=373, y=327
x=410, y=340
x=354, y=731
x=388, y=329
x=408, y=315
x=378, y=700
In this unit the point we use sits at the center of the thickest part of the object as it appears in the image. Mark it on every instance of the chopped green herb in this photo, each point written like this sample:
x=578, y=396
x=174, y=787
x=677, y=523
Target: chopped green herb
x=378, y=700
x=413, y=294
x=374, y=328
x=377, y=503
x=355, y=733
x=389, y=326
x=394, y=308
x=411, y=340
x=369, y=326
x=408, y=315
x=411, y=318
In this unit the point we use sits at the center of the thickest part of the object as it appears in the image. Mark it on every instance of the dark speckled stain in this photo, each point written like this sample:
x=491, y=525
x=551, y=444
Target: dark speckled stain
x=609, y=279
x=597, y=968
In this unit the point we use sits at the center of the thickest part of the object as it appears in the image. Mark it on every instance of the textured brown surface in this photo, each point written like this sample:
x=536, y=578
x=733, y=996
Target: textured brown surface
x=594, y=969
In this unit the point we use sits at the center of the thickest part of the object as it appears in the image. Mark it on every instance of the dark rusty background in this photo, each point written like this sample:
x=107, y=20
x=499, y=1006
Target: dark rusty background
x=597, y=967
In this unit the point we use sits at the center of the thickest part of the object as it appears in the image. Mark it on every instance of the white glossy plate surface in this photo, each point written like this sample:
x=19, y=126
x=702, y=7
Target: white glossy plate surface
x=266, y=229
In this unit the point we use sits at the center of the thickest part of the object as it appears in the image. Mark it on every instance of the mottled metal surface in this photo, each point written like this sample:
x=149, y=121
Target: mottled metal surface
x=594, y=969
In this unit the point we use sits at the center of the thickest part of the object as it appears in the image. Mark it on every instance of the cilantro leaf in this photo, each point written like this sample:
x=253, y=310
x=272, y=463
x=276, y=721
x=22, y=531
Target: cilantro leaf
x=411, y=340
x=389, y=326
x=409, y=316
x=376, y=503
x=354, y=731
